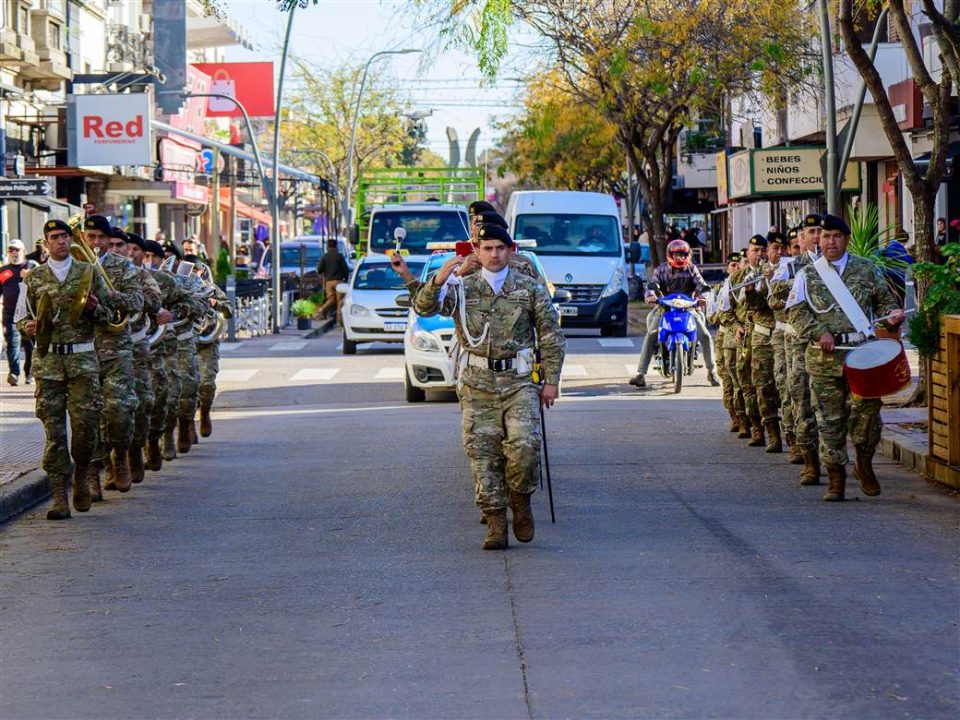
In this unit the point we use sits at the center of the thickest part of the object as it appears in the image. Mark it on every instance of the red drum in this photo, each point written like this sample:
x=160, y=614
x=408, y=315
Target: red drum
x=877, y=368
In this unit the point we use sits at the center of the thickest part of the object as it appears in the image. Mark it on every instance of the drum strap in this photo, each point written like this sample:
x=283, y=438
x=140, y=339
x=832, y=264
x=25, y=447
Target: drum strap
x=841, y=294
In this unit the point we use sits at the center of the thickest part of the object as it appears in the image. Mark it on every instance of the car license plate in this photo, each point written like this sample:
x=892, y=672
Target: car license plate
x=569, y=310
x=395, y=327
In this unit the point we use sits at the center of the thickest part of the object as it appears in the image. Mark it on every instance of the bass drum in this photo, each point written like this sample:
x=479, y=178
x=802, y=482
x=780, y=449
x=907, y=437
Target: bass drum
x=877, y=368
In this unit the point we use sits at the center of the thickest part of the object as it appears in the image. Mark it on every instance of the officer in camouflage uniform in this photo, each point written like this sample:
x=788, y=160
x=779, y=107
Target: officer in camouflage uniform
x=500, y=316
x=798, y=382
x=65, y=365
x=208, y=357
x=779, y=256
x=726, y=343
x=115, y=355
x=188, y=365
x=761, y=351
x=817, y=317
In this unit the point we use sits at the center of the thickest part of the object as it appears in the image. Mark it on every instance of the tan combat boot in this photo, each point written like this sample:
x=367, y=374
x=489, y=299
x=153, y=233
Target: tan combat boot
x=109, y=479
x=121, y=469
x=154, y=460
x=796, y=457
x=837, y=475
x=169, y=445
x=810, y=475
x=734, y=422
x=82, y=497
x=863, y=472
x=206, y=423
x=496, y=530
x=194, y=439
x=774, y=443
x=522, y=516
x=183, y=435
x=744, y=427
x=61, y=508
x=93, y=482
x=756, y=437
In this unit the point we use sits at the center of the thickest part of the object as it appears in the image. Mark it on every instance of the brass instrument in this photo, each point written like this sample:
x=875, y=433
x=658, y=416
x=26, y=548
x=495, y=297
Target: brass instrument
x=44, y=319
x=80, y=250
x=209, y=328
x=753, y=278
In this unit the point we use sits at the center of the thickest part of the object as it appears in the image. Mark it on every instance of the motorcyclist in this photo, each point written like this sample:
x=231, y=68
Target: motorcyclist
x=677, y=275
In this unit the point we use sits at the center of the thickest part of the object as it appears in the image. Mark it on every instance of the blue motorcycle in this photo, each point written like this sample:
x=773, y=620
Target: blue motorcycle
x=678, y=337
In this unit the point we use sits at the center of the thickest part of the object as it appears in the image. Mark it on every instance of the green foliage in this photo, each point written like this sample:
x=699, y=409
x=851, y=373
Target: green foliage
x=303, y=308
x=868, y=239
x=221, y=268
x=942, y=298
x=318, y=298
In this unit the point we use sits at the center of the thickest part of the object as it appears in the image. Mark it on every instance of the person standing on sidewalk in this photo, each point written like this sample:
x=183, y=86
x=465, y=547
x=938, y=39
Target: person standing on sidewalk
x=68, y=374
x=11, y=275
x=333, y=268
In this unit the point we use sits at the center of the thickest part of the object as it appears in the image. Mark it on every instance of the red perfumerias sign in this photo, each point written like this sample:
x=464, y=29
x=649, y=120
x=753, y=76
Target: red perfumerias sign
x=111, y=130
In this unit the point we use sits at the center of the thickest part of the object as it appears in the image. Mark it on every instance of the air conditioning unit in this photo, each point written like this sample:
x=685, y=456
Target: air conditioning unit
x=117, y=67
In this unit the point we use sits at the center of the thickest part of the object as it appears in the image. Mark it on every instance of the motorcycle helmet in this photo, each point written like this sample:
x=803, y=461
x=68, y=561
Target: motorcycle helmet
x=678, y=254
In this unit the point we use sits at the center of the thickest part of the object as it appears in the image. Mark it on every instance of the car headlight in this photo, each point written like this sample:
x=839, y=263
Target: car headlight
x=424, y=341
x=359, y=311
x=616, y=282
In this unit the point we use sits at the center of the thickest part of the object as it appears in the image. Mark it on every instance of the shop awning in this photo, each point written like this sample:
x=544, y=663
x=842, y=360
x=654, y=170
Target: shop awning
x=953, y=151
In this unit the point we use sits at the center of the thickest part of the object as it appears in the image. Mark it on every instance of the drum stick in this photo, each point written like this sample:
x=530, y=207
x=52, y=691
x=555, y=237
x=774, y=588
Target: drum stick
x=887, y=317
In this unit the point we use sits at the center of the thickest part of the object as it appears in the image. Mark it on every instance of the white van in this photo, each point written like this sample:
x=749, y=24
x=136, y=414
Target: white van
x=578, y=241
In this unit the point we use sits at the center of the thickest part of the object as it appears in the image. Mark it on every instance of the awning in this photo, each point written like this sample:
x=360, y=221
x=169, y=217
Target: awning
x=953, y=150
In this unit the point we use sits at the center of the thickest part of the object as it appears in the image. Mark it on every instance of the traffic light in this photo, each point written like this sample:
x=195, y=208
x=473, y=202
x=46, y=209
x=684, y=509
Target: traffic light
x=298, y=206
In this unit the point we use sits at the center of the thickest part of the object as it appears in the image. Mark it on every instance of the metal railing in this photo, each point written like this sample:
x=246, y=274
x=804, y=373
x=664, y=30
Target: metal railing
x=253, y=315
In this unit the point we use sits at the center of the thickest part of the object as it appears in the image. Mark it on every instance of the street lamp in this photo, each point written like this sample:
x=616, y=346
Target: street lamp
x=356, y=116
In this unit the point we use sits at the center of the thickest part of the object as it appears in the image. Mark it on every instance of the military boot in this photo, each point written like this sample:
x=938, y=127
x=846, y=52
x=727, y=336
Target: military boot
x=93, y=482
x=109, y=479
x=774, y=443
x=183, y=435
x=61, y=508
x=121, y=469
x=206, y=423
x=744, y=427
x=82, y=497
x=154, y=460
x=863, y=472
x=796, y=457
x=734, y=422
x=135, y=457
x=496, y=530
x=194, y=439
x=756, y=436
x=522, y=516
x=837, y=475
x=169, y=446
x=810, y=475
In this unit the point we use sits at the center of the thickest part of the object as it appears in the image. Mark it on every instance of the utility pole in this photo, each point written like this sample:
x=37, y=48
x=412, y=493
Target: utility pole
x=830, y=171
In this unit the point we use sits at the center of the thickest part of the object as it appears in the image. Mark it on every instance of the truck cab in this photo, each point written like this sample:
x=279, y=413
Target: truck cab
x=424, y=222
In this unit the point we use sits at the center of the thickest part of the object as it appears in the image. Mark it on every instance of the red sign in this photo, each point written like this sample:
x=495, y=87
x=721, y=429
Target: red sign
x=178, y=153
x=250, y=83
x=906, y=101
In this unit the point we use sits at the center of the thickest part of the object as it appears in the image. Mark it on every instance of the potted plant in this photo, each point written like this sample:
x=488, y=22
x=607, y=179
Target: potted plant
x=942, y=298
x=303, y=310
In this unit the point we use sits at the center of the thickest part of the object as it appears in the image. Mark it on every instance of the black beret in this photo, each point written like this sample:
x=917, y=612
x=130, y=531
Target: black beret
x=494, y=232
x=758, y=241
x=776, y=237
x=792, y=233
x=490, y=218
x=97, y=222
x=811, y=220
x=51, y=225
x=480, y=206
x=118, y=233
x=832, y=222
x=169, y=246
x=152, y=246
x=135, y=239
x=733, y=257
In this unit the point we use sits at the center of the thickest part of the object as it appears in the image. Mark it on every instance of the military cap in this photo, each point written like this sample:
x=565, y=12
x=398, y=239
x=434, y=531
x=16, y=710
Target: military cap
x=832, y=222
x=758, y=241
x=169, y=246
x=776, y=237
x=134, y=239
x=118, y=233
x=792, y=233
x=811, y=220
x=480, y=206
x=733, y=257
x=97, y=222
x=490, y=217
x=494, y=232
x=51, y=225
x=152, y=246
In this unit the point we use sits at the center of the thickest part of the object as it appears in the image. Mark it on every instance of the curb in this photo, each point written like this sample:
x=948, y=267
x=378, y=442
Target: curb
x=323, y=329
x=906, y=456
x=23, y=493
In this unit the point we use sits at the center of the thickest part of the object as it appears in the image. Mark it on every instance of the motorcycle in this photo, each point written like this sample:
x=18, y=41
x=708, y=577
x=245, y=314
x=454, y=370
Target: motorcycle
x=677, y=335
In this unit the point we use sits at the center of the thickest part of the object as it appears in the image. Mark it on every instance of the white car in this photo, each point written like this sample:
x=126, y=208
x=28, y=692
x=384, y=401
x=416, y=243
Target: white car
x=370, y=311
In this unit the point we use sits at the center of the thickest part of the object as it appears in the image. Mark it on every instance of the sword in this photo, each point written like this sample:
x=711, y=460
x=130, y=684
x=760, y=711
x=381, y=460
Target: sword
x=546, y=458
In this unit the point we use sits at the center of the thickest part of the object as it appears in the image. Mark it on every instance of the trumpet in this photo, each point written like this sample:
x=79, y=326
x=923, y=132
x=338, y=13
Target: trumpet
x=83, y=252
x=753, y=278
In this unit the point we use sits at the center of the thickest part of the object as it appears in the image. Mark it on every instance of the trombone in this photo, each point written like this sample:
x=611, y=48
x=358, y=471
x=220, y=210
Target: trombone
x=80, y=250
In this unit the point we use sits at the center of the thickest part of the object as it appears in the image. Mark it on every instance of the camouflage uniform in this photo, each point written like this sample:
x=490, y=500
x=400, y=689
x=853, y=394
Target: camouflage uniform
x=209, y=356
x=839, y=413
x=737, y=317
x=783, y=341
x=763, y=324
x=67, y=383
x=188, y=366
x=501, y=423
x=714, y=317
x=142, y=370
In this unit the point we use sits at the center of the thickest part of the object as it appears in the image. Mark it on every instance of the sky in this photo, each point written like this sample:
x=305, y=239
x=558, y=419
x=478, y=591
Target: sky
x=336, y=32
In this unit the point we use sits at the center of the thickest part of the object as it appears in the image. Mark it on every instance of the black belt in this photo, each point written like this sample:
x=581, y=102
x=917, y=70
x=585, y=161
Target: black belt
x=71, y=348
x=845, y=338
x=500, y=365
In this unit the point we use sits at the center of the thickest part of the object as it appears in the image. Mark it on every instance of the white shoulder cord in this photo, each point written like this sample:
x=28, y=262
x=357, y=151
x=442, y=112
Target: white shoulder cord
x=460, y=299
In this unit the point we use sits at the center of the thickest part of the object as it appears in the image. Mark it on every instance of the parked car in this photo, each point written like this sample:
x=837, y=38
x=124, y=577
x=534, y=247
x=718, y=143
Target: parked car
x=370, y=310
x=308, y=249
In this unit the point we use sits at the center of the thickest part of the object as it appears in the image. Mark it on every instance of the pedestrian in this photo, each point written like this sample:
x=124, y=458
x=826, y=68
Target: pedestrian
x=39, y=254
x=333, y=268
x=11, y=277
x=68, y=377
x=828, y=314
x=502, y=319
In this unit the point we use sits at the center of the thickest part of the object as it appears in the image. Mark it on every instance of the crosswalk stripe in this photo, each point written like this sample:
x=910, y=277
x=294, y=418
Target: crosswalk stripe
x=236, y=374
x=230, y=346
x=573, y=371
x=615, y=342
x=315, y=374
x=389, y=374
x=631, y=370
x=287, y=346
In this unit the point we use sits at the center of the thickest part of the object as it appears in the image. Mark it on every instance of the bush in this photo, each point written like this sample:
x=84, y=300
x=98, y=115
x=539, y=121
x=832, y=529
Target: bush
x=221, y=268
x=942, y=298
x=303, y=309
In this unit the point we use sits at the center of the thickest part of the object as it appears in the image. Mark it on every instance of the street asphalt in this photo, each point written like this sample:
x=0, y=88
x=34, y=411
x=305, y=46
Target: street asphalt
x=319, y=557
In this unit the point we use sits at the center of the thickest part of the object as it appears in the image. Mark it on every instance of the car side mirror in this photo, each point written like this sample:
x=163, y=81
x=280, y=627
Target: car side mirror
x=343, y=288
x=402, y=300
x=562, y=296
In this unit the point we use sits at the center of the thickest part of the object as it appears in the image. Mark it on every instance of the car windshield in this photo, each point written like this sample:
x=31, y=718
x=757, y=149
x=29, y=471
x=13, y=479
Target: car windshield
x=563, y=234
x=433, y=264
x=380, y=276
x=422, y=226
x=290, y=256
